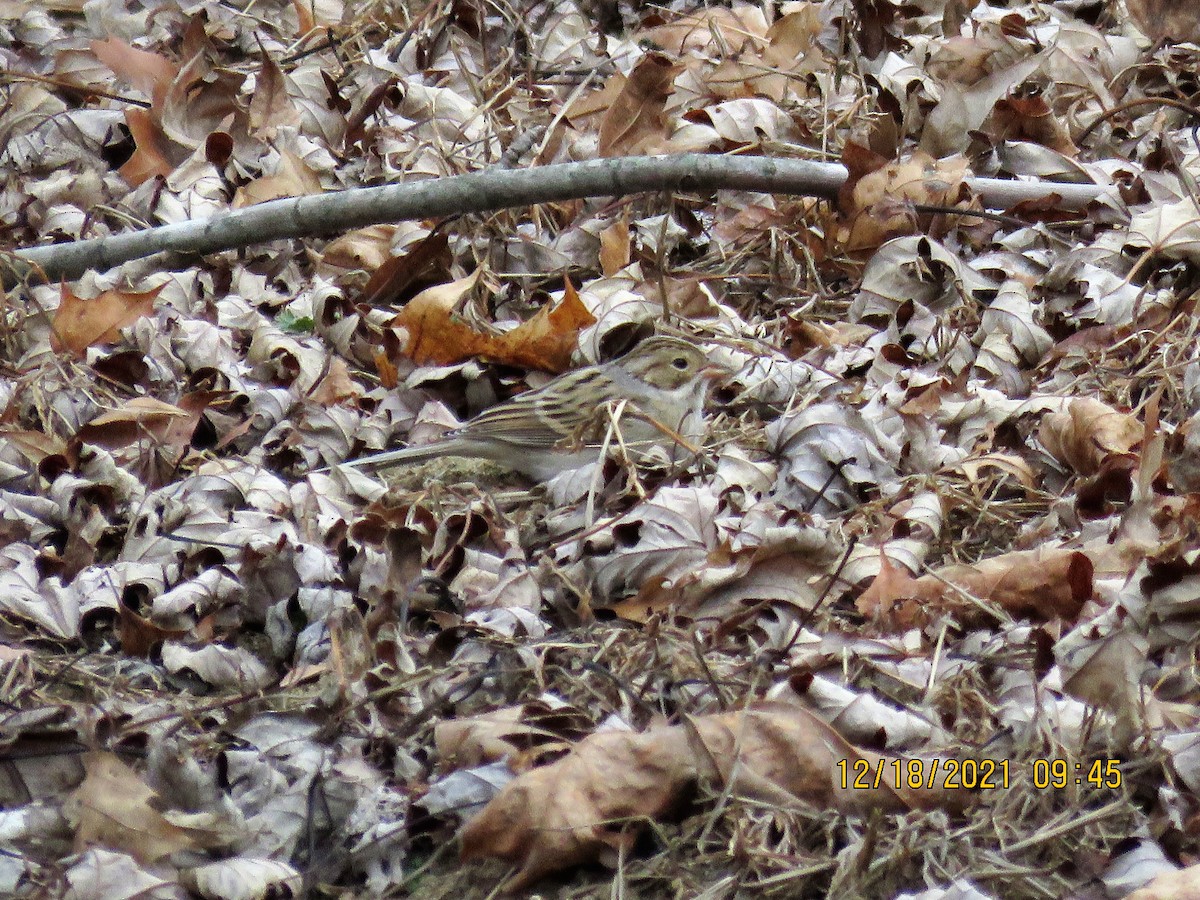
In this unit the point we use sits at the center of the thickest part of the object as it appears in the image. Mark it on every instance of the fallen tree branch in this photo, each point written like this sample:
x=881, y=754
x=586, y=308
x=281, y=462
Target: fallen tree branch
x=493, y=189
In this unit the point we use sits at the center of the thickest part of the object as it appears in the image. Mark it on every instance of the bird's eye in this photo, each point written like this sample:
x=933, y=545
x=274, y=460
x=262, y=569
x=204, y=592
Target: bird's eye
x=680, y=362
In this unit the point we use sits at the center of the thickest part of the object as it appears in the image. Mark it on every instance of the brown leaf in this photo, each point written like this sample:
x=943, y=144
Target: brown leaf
x=80, y=323
x=202, y=100
x=614, y=247
x=271, y=107
x=1088, y=432
x=1042, y=584
x=755, y=59
x=735, y=28
x=357, y=131
x=875, y=202
x=1110, y=679
x=490, y=737
x=139, y=636
x=389, y=375
x=364, y=248
x=151, y=73
x=597, y=102
x=726, y=584
x=999, y=465
x=889, y=596
x=351, y=653
x=547, y=340
x=293, y=178
x=571, y=811
x=1029, y=118
x=587, y=804
x=336, y=385
x=780, y=753
x=879, y=24
x=435, y=335
x=149, y=159
x=438, y=337
x=792, y=52
x=636, y=123
x=1166, y=19
x=143, y=417
x=33, y=445
x=423, y=265
x=113, y=808
x=305, y=17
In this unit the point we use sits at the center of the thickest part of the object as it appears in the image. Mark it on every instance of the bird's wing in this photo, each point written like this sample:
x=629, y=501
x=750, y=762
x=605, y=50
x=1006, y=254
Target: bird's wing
x=538, y=418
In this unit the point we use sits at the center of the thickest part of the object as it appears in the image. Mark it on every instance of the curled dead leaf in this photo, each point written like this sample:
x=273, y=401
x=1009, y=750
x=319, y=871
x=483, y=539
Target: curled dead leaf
x=144, y=417
x=588, y=803
x=876, y=201
x=1088, y=432
x=438, y=337
x=151, y=158
x=1042, y=584
x=987, y=466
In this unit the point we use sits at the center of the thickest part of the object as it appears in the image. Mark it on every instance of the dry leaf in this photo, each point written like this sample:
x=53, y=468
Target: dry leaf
x=336, y=385
x=115, y=808
x=1019, y=117
x=293, y=178
x=1009, y=465
x=305, y=17
x=1087, y=433
x=364, y=248
x=424, y=265
x=202, y=100
x=139, y=636
x=438, y=337
x=737, y=28
x=1110, y=678
x=151, y=73
x=144, y=417
x=1161, y=20
x=1042, y=584
x=80, y=323
x=875, y=202
x=636, y=123
x=389, y=375
x=546, y=341
x=589, y=802
x=614, y=247
x=150, y=158
x=245, y=878
x=435, y=335
x=33, y=445
x=502, y=734
x=271, y=107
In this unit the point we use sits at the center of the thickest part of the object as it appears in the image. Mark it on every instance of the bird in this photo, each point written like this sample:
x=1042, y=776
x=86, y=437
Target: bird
x=655, y=392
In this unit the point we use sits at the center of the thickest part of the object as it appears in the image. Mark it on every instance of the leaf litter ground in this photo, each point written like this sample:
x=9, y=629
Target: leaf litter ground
x=944, y=511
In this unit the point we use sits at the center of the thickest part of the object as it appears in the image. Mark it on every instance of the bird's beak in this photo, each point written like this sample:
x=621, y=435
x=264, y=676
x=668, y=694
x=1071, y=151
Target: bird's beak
x=714, y=373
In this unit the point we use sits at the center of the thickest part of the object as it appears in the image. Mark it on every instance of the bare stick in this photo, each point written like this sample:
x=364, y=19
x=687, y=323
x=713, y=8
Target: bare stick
x=336, y=212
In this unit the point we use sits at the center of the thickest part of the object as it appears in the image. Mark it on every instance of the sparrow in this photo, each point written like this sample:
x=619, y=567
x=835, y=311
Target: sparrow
x=654, y=393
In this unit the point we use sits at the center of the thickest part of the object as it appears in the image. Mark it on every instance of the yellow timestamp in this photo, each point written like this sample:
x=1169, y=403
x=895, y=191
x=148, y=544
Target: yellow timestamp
x=1059, y=773
x=975, y=775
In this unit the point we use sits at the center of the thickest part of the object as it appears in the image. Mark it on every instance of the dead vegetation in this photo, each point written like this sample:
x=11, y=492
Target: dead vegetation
x=919, y=621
